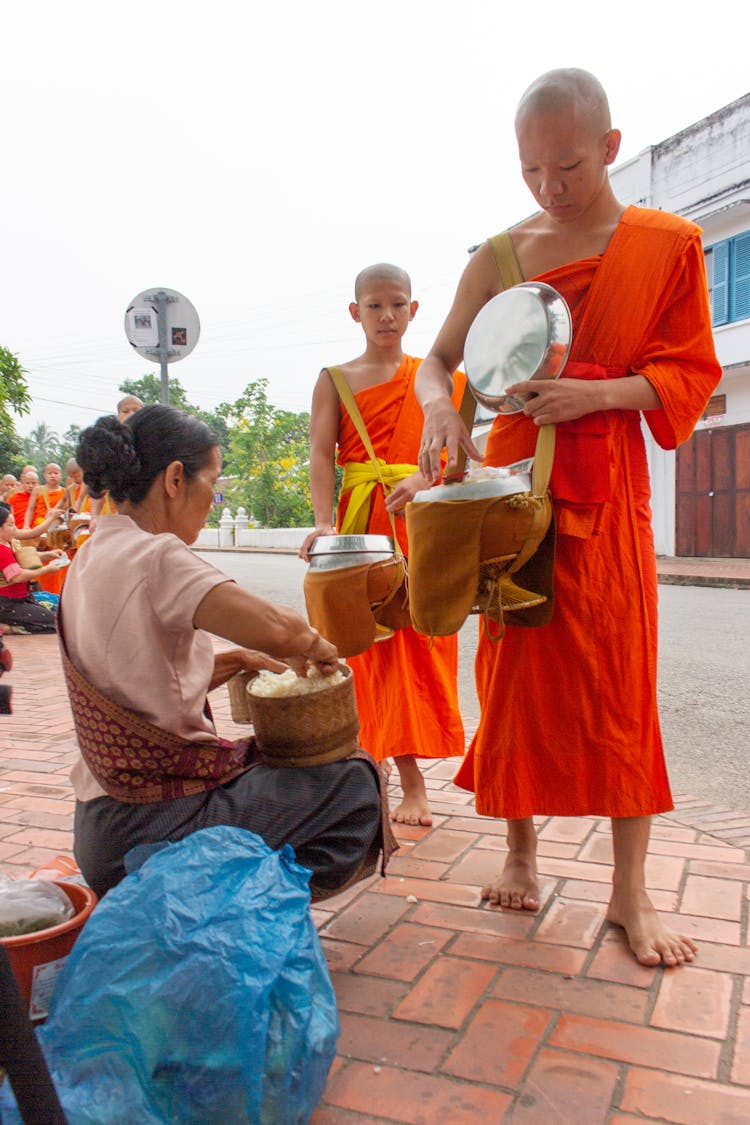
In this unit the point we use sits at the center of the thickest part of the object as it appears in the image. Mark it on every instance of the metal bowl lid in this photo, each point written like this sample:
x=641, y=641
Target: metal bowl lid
x=356, y=544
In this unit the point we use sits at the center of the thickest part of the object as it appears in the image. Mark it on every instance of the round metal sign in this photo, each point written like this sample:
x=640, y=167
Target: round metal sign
x=162, y=325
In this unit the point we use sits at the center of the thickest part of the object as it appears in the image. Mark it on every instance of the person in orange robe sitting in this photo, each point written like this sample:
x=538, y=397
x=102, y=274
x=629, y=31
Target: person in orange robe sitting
x=43, y=499
x=18, y=499
x=406, y=688
x=569, y=722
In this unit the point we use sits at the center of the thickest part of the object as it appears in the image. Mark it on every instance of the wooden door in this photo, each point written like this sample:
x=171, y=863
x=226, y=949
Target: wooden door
x=713, y=494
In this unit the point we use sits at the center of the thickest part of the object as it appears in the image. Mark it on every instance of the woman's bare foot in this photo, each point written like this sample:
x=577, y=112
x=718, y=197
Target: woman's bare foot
x=651, y=941
x=414, y=807
x=516, y=887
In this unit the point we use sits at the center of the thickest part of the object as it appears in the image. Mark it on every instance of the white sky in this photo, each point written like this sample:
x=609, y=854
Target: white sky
x=254, y=156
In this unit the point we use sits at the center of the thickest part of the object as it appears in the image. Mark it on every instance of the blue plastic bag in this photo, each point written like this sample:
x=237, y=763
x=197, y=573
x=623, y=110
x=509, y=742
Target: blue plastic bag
x=196, y=993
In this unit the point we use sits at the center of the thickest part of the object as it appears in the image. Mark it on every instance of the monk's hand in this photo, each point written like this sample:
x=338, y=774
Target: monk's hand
x=322, y=529
x=404, y=492
x=443, y=430
x=556, y=400
x=321, y=655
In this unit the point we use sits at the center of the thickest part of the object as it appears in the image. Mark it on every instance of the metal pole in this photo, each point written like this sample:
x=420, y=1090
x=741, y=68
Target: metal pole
x=161, y=320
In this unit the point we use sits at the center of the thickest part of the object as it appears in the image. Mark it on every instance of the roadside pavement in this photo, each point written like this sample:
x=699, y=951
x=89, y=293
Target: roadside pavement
x=455, y=1013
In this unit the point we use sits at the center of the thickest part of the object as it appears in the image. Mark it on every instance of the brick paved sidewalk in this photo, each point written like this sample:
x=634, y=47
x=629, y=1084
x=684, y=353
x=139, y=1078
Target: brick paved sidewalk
x=454, y=1013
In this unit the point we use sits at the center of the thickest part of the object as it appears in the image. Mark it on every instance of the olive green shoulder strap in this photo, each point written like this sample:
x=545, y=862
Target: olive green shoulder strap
x=506, y=261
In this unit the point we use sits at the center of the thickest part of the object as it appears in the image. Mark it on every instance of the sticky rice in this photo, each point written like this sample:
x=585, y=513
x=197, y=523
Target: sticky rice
x=268, y=684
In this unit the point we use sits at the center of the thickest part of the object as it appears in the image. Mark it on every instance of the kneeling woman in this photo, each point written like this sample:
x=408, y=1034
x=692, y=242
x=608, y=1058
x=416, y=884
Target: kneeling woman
x=135, y=617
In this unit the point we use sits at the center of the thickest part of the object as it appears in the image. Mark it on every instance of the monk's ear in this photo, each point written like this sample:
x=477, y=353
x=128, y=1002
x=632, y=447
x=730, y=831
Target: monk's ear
x=354, y=312
x=413, y=309
x=612, y=141
x=174, y=477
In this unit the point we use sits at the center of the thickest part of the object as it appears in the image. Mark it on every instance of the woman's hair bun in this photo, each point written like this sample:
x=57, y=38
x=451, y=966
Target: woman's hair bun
x=108, y=458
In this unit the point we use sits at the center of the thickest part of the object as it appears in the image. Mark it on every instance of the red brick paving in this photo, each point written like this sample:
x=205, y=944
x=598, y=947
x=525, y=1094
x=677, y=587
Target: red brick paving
x=454, y=1012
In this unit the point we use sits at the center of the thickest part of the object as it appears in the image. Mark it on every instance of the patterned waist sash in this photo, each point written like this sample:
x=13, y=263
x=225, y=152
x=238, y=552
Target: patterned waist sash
x=137, y=762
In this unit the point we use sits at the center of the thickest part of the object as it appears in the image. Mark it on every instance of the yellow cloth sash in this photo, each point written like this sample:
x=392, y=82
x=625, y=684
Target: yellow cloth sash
x=360, y=478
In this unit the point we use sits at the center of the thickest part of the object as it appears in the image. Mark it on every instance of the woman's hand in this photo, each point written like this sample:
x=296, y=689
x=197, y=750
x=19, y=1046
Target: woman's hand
x=228, y=664
x=322, y=529
x=321, y=654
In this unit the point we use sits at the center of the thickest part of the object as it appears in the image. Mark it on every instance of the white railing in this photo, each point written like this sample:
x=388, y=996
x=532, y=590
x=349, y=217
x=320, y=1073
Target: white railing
x=235, y=531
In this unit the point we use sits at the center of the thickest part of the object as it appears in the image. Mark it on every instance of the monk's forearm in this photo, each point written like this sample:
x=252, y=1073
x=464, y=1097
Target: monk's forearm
x=434, y=381
x=634, y=392
x=322, y=487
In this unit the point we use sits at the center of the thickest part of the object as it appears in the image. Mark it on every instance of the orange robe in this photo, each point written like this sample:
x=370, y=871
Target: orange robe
x=406, y=686
x=569, y=723
x=47, y=499
x=19, y=502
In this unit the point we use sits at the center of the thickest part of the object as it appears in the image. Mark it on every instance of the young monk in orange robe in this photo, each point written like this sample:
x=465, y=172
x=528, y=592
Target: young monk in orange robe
x=43, y=499
x=406, y=689
x=28, y=480
x=569, y=717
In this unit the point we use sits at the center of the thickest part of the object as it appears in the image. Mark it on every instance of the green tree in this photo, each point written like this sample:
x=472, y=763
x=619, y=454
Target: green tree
x=42, y=446
x=69, y=444
x=14, y=396
x=269, y=453
x=148, y=388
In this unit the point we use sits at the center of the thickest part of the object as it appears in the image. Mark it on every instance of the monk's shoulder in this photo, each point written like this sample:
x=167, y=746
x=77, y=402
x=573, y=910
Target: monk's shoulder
x=362, y=373
x=651, y=219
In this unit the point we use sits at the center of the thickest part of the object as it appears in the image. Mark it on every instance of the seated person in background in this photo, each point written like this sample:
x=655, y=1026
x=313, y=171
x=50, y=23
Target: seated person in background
x=135, y=619
x=43, y=499
x=19, y=498
x=8, y=484
x=76, y=494
x=18, y=609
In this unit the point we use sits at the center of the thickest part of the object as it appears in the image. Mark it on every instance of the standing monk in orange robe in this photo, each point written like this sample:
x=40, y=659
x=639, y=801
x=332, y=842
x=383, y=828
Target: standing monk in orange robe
x=569, y=720
x=406, y=688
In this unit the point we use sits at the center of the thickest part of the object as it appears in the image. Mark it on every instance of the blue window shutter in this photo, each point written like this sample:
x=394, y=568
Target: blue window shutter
x=720, y=283
x=740, y=287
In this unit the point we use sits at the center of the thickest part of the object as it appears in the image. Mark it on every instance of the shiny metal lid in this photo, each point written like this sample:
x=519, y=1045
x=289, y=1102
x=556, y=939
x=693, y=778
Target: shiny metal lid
x=335, y=544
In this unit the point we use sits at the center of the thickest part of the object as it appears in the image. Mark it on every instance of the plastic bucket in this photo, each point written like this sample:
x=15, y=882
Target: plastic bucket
x=37, y=958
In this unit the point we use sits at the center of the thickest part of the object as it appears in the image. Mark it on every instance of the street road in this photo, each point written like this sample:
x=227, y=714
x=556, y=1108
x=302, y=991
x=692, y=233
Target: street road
x=704, y=673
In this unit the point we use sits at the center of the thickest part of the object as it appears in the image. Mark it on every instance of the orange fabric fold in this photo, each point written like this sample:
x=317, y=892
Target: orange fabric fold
x=569, y=723
x=406, y=687
x=47, y=499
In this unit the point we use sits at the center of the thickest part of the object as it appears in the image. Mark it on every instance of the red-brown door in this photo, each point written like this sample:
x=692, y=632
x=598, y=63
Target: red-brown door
x=713, y=494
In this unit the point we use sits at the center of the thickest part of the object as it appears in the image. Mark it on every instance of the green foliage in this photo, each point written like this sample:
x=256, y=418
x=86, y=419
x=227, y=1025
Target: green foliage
x=14, y=396
x=41, y=447
x=269, y=453
x=148, y=388
x=69, y=444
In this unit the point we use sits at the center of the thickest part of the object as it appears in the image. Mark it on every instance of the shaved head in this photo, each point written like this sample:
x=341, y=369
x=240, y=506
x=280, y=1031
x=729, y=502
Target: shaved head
x=382, y=271
x=567, y=91
x=127, y=406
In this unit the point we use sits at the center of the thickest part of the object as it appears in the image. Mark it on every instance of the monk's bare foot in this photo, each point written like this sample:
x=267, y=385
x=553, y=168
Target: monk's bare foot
x=414, y=807
x=517, y=886
x=387, y=767
x=652, y=942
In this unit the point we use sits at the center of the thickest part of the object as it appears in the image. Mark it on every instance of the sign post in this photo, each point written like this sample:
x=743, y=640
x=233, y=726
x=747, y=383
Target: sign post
x=162, y=324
